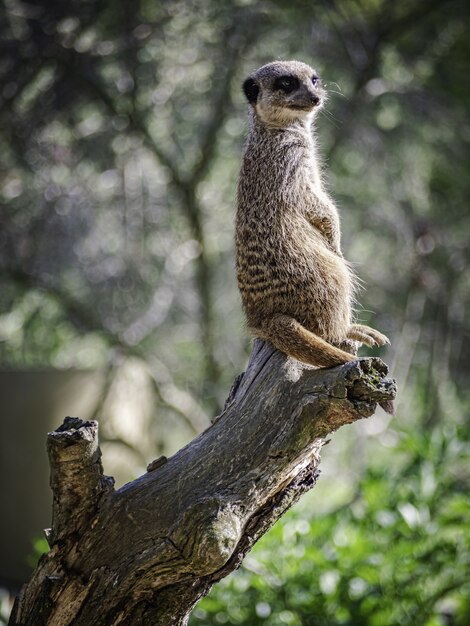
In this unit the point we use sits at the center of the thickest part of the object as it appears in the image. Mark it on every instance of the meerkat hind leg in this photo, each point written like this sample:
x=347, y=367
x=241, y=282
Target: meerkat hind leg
x=290, y=337
x=367, y=335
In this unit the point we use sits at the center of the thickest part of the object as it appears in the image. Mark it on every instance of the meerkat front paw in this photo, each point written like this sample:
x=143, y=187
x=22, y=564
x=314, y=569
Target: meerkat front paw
x=367, y=335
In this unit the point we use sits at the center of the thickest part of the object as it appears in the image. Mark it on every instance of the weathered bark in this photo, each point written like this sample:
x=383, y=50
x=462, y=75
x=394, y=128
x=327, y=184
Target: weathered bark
x=145, y=554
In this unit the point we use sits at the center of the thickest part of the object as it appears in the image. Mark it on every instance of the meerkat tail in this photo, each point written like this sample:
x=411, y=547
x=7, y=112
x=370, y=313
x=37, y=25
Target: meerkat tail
x=290, y=337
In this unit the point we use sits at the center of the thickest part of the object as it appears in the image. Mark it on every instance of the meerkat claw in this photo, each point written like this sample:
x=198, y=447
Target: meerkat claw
x=367, y=335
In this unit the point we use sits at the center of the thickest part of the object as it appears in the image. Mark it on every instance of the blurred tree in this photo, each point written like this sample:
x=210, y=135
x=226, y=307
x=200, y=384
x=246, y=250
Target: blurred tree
x=120, y=143
x=121, y=126
x=82, y=92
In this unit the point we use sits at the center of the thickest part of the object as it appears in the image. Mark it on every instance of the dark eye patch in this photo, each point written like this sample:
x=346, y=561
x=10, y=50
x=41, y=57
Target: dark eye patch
x=315, y=80
x=286, y=83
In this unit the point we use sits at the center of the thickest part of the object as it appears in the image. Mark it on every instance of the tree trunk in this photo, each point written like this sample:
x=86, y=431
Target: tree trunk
x=145, y=554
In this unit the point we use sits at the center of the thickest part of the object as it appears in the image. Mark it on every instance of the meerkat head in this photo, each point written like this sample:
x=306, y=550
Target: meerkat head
x=284, y=91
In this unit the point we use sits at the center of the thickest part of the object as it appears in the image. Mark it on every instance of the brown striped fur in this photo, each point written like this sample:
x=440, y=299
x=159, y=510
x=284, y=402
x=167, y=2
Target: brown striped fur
x=297, y=290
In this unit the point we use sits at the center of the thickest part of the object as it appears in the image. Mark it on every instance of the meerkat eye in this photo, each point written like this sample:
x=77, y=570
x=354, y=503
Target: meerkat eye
x=315, y=80
x=286, y=83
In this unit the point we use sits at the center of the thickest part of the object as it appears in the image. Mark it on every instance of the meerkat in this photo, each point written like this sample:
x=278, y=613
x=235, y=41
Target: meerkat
x=297, y=289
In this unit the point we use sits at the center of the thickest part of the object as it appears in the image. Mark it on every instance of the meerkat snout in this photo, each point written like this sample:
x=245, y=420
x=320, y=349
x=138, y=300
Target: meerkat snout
x=314, y=99
x=284, y=91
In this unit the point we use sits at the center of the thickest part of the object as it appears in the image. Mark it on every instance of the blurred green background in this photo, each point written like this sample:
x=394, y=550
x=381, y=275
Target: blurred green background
x=121, y=129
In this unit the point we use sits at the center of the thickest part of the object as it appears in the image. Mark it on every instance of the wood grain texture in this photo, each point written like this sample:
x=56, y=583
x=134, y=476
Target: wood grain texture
x=146, y=553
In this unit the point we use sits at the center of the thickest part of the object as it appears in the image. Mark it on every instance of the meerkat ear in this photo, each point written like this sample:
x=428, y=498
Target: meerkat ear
x=251, y=90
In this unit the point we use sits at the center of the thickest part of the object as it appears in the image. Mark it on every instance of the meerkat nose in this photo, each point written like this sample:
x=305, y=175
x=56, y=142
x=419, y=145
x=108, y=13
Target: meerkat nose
x=314, y=99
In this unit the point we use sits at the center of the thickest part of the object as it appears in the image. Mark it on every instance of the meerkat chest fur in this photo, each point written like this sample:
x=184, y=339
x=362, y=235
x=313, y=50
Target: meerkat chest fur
x=280, y=183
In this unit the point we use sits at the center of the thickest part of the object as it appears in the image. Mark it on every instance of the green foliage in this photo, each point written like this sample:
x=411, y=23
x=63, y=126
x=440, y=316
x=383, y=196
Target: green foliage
x=40, y=547
x=398, y=553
